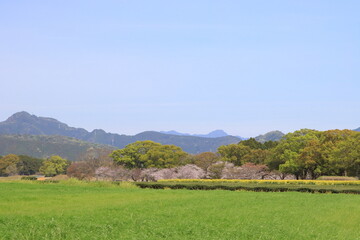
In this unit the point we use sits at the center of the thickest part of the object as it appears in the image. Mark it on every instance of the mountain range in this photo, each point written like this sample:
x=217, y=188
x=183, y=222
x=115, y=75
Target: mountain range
x=23, y=133
x=21, y=128
x=23, y=123
x=213, y=134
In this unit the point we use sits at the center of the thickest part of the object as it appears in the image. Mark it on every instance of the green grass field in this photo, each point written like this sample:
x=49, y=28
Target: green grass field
x=93, y=211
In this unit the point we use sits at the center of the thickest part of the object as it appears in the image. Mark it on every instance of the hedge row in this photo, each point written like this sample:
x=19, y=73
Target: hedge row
x=265, y=181
x=31, y=178
x=239, y=188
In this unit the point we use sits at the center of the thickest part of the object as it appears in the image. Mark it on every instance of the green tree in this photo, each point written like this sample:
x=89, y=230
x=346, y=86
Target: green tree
x=54, y=165
x=270, y=144
x=311, y=160
x=247, y=151
x=257, y=156
x=346, y=157
x=337, y=150
x=11, y=170
x=130, y=156
x=145, y=154
x=205, y=160
x=290, y=167
x=28, y=165
x=252, y=143
x=8, y=165
x=310, y=153
x=234, y=153
x=285, y=156
x=164, y=156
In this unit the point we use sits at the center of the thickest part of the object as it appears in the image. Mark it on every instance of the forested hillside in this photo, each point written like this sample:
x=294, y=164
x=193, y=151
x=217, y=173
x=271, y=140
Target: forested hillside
x=25, y=123
x=41, y=146
x=270, y=136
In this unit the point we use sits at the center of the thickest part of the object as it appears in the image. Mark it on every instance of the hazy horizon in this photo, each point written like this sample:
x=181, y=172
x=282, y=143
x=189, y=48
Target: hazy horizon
x=246, y=67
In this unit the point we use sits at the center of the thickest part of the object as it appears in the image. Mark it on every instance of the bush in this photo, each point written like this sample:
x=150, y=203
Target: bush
x=32, y=178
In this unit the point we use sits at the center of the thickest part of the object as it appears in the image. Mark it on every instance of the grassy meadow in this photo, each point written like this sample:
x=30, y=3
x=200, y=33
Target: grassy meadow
x=75, y=210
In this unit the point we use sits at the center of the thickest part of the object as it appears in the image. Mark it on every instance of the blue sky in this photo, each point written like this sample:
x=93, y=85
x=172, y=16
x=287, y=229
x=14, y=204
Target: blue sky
x=247, y=67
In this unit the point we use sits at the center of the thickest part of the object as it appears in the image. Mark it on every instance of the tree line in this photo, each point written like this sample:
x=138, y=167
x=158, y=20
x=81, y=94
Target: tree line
x=304, y=154
x=12, y=164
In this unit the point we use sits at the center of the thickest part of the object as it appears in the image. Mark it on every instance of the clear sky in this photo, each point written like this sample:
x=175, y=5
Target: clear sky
x=246, y=67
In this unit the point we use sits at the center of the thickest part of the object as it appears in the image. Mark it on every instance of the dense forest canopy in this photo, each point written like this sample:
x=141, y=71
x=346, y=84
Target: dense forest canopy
x=304, y=153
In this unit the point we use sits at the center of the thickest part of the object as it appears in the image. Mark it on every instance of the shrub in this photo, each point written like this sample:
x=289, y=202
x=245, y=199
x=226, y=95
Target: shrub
x=32, y=178
x=275, y=182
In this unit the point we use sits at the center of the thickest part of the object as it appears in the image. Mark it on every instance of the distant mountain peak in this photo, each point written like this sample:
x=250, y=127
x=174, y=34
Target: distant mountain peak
x=20, y=116
x=270, y=136
x=173, y=132
x=217, y=133
x=214, y=134
x=23, y=116
x=26, y=123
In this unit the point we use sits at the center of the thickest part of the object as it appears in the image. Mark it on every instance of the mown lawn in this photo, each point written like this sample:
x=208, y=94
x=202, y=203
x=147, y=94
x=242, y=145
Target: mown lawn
x=62, y=211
